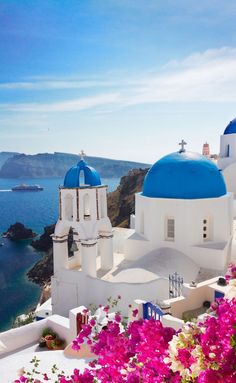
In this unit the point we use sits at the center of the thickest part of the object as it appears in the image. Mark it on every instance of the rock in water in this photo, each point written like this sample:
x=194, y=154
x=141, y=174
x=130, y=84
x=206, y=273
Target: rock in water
x=19, y=232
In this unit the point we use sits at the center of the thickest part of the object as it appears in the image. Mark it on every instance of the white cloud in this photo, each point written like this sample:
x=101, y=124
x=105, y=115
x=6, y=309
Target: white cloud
x=206, y=77
x=201, y=77
x=65, y=106
x=55, y=84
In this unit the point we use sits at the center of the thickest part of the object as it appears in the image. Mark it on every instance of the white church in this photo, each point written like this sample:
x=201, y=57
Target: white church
x=183, y=223
x=227, y=158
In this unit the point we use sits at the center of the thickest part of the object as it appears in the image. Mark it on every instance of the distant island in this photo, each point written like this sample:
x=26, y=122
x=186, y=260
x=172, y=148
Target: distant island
x=49, y=165
x=4, y=156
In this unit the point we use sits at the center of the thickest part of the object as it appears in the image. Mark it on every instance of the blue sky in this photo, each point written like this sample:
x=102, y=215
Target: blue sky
x=119, y=78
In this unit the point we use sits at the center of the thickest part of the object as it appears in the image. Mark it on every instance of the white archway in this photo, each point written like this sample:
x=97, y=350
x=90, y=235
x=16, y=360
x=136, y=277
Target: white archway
x=86, y=206
x=68, y=201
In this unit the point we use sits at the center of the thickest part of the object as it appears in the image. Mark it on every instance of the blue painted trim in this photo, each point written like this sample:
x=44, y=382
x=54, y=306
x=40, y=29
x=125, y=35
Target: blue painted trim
x=151, y=310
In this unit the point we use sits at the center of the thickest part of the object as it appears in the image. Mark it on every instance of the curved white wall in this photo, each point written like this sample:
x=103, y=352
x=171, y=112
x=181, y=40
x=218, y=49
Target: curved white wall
x=227, y=150
x=189, y=216
x=229, y=174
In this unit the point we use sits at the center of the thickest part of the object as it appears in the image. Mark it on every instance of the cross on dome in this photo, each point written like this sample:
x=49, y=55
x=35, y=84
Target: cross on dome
x=182, y=144
x=82, y=154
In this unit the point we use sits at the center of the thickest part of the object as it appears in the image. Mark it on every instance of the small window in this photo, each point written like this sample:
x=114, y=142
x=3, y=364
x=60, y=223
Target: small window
x=170, y=229
x=70, y=242
x=142, y=223
x=205, y=230
x=227, y=150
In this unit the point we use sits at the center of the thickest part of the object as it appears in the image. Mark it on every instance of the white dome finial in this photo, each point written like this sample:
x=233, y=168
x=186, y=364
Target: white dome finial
x=182, y=144
x=82, y=154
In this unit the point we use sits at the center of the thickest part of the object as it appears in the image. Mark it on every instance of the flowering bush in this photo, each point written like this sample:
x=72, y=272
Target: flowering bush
x=206, y=353
x=146, y=352
x=231, y=273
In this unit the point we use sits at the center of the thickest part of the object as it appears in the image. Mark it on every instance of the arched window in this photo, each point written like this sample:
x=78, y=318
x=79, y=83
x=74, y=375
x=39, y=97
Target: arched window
x=68, y=207
x=72, y=245
x=81, y=178
x=102, y=206
x=142, y=223
x=70, y=242
x=86, y=204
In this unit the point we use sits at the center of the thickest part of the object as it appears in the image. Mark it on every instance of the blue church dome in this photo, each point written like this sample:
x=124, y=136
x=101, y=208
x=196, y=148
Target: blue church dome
x=231, y=127
x=73, y=176
x=184, y=175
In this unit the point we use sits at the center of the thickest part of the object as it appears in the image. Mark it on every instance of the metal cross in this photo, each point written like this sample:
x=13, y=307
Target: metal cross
x=82, y=154
x=182, y=144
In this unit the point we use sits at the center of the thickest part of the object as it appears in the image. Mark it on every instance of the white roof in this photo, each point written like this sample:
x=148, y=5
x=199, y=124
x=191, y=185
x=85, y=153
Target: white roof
x=13, y=362
x=158, y=263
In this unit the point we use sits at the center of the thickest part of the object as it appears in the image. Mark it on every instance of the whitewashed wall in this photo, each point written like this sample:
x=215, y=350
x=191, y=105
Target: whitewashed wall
x=189, y=216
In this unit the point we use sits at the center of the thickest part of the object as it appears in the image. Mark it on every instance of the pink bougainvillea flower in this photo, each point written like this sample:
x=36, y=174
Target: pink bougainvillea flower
x=118, y=318
x=144, y=351
x=135, y=313
x=92, y=322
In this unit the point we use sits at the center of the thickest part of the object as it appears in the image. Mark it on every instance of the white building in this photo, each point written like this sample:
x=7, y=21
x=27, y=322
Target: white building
x=184, y=206
x=227, y=158
x=183, y=223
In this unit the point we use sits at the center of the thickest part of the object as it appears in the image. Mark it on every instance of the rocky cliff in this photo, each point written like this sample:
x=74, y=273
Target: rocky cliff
x=44, y=243
x=4, y=156
x=42, y=271
x=121, y=203
x=56, y=165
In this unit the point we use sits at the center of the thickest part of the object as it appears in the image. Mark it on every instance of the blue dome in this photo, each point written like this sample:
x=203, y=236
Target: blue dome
x=231, y=127
x=72, y=177
x=184, y=175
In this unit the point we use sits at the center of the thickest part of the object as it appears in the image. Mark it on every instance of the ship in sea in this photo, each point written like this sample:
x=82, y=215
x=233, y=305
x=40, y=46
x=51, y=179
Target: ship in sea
x=24, y=187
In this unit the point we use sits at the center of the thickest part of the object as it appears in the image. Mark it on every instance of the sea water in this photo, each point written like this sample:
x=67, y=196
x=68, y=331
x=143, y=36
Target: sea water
x=35, y=210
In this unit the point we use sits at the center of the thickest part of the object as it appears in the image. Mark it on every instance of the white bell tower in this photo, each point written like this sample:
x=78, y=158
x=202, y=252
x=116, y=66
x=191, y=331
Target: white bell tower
x=83, y=235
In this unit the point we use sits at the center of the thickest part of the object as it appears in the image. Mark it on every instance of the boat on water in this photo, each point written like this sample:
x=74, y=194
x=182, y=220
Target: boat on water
x=24, y=187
